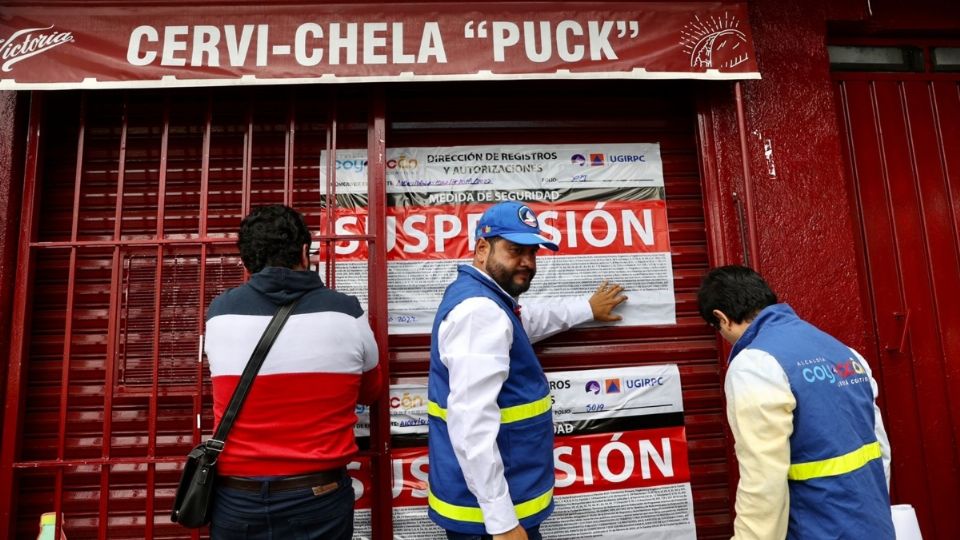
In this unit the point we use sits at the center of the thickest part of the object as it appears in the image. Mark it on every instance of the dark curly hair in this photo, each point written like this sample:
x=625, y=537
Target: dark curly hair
x=737, y=291
x=272, y=236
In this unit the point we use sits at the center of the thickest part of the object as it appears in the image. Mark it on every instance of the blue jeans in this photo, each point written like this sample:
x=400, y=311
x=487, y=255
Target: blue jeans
x=283, y=515
x=533, y=533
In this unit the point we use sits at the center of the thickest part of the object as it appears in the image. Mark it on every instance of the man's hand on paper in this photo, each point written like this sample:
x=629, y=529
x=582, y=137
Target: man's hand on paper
x=606, y=298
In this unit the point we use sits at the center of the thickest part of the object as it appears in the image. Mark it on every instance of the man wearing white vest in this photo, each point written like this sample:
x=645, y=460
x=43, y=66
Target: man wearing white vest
x=814, y=456
x=491, y=431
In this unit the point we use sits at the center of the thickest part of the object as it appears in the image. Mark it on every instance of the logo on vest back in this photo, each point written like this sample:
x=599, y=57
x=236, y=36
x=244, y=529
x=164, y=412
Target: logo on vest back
x=843, y=373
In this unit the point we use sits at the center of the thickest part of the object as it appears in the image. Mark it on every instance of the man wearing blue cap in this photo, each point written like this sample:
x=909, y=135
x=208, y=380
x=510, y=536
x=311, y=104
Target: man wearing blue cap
x=491, y=427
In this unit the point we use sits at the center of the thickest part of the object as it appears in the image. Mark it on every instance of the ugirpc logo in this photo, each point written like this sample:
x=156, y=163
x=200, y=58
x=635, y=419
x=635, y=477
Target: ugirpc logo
x=610, y=386
x=29, y=42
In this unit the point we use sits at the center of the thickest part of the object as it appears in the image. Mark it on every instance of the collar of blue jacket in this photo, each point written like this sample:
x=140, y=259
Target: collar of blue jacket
x=768, y=316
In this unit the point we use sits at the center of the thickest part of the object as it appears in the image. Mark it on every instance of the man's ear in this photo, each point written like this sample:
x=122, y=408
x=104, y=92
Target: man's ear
x=722, y=319
x=482, y=251
x=304, y=256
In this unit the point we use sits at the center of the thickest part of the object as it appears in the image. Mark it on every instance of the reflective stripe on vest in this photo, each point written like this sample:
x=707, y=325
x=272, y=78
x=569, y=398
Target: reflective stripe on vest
x=836, y=466
x=507, y=414
x=472, y=514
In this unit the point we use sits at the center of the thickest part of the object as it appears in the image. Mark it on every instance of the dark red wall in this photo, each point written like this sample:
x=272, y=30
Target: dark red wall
x=10, y=181
x=806, y=225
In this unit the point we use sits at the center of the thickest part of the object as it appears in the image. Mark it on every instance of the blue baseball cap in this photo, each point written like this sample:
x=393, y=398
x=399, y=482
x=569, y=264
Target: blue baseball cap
x=514, y=221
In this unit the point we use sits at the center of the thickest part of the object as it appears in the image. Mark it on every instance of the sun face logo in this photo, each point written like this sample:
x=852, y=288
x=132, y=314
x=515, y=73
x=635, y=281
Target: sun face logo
x=528, y=217
x=714, y=43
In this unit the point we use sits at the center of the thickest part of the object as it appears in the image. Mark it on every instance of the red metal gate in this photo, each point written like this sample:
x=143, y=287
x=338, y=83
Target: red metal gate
x=903, y=144
x=130, y=215
x=132, y=204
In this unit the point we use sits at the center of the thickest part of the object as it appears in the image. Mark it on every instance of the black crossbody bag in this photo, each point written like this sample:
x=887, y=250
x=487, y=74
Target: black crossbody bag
x=191, y=508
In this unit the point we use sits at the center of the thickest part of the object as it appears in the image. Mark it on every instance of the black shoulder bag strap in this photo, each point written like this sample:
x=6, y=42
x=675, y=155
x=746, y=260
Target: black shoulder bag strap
x=192, y=504
x=249, y=373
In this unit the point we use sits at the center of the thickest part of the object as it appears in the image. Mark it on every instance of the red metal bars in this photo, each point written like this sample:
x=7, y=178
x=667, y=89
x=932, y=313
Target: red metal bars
x=197, y=409
x=112, y=324
x=68, y=330
x=289, y=162
x=382, y=512
x=157, y=314
x=753, y=256
x=201, y=321
x=9, y=448
x=330, y=202
x=247, y=160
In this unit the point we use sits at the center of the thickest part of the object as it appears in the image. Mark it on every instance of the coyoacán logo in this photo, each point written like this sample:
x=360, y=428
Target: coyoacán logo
x=28, y=42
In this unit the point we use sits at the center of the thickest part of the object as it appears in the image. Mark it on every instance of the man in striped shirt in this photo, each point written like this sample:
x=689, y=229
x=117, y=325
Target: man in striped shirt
x=282, y=471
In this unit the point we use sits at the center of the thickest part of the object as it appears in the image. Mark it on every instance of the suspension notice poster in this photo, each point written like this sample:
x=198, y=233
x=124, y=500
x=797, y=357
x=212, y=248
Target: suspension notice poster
x=603, y=204
x=620, y=458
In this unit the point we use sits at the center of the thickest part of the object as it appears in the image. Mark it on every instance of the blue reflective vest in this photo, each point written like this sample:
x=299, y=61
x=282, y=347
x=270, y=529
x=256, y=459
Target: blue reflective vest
x=837, y=484
x=525, y=439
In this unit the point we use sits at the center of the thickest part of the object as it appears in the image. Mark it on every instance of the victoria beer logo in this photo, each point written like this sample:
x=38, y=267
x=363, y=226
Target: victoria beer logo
x=28, y=42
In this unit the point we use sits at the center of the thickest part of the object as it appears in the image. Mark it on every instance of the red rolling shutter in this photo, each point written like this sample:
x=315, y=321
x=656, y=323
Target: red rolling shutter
x=139, y=196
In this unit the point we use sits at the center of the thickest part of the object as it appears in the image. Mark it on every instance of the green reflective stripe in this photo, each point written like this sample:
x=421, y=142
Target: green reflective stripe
x=534, y=506
x=836, y=466
x=435, y=410
x=453, y=511
x=508, y=414
x=473, y=514
x=527, y=410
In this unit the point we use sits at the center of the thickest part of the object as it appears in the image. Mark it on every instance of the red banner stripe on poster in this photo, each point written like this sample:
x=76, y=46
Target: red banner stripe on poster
x=444, y=232
x=584, y=464
x=204, y=45
x=631, y=459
